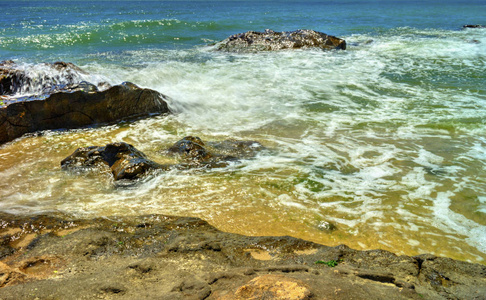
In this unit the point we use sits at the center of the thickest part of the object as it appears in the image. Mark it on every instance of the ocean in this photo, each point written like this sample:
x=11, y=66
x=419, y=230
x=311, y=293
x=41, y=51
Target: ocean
x=382, y=145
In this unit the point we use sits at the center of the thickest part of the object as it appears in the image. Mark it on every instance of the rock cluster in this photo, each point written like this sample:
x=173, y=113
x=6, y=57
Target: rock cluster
x=269, y=40
x=164, y=257
x=126, y=162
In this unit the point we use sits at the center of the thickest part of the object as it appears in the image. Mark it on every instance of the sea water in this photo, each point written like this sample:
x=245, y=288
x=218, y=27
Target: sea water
x=386, y=140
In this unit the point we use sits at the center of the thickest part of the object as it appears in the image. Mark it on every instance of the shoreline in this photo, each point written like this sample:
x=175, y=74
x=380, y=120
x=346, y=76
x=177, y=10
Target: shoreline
x=51, y=256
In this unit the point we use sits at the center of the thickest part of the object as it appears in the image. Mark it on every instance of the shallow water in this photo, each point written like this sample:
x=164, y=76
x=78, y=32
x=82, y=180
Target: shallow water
x=386, y=140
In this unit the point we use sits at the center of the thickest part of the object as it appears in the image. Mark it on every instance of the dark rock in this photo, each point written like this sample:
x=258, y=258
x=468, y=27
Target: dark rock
x=270, y=40
x=213, y=154
x=473, y=26
x=191, y=148
x=83, y=107
x=5, y=248
x=124, y=160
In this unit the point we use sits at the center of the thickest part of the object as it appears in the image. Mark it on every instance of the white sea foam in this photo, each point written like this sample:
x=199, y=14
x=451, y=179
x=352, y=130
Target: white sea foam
x=451, y=221
x=482, y=206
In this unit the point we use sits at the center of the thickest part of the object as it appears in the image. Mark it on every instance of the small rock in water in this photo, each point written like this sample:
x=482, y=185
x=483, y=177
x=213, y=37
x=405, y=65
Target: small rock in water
x=326, y=226
x=473, y=26
x=194, y=151
x=190, y=147
x=124, y=160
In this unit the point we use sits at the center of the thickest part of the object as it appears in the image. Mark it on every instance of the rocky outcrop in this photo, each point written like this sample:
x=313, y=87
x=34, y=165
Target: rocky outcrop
x=86, y=106
x=270, y=40
x=165, y=257
x=126, y=162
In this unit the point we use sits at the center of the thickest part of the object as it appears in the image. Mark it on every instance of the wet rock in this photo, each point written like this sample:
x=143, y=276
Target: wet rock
x=41, y=79
x=237, y=148
x=443, y=275
x=195, y=152
x=83, y=107
x=270, y=40
x=124, y=160
x=473, y=26
x=5, y=249
x=191, y=148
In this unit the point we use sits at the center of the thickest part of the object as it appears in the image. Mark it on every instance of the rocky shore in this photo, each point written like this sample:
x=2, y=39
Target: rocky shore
x=60, y=256
x=165, y=257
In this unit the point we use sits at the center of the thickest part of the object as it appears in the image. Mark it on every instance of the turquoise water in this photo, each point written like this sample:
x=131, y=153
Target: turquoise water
x=47, y=30
x=387, y=140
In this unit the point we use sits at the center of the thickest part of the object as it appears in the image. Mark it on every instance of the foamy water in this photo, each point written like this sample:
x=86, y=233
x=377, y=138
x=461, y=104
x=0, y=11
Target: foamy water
x=386, y=140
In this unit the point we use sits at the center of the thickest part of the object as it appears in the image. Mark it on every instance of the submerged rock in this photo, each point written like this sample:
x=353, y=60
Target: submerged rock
x=84, y=107
x=237, y=148
x=190, y=148
x=270, y=40
x=126, y=162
